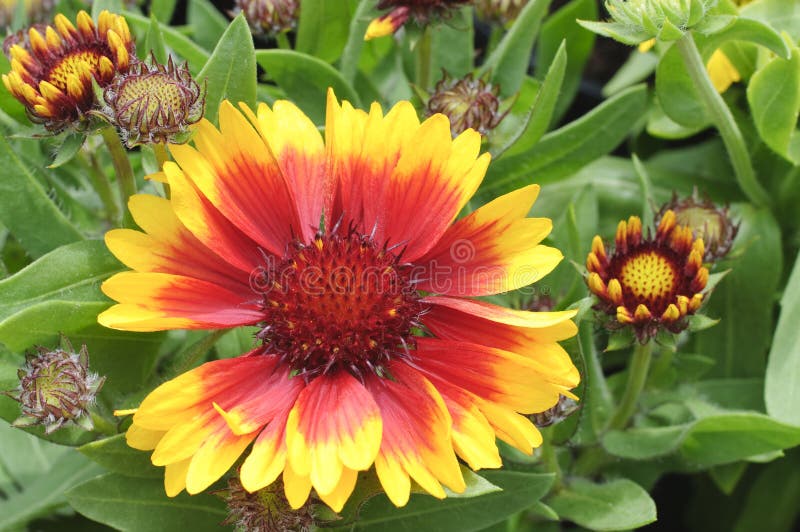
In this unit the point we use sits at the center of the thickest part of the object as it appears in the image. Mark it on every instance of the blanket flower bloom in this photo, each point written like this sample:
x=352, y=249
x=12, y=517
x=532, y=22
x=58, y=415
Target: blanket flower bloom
x=347, y=256
x=52, y=68
x=649, y=283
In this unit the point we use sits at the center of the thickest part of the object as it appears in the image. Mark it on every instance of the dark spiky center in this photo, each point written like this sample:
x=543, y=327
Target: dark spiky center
x=341, y=302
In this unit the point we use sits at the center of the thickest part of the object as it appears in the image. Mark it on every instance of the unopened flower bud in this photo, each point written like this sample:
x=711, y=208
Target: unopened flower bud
x=154, y=103
x=502, y=12
x=269, y=17
x=265, y=510
x=56, y=387
x=707, y=221
x=468, y=103
x=635, y=21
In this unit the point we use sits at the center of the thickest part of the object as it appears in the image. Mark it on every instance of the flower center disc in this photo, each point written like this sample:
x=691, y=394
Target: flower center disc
x=72, y=65
x=149, y=94
x=649, y=277
x=341, y=302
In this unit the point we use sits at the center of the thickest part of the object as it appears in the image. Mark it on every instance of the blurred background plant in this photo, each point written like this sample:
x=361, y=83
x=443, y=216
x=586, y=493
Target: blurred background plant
x=694, y=113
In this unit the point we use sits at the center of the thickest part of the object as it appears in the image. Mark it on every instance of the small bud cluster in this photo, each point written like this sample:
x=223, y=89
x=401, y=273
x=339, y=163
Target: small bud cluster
x=265, y=510
x=469, y=103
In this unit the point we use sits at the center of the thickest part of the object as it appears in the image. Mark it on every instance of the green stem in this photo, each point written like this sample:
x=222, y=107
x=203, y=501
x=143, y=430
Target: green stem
x=723, y=120
x=637, y=376
x=424, y=54
x=102, y=425
x=283, y=41
x=101, y=185
x=122, y=167
x=550, y=459
x=160, y=151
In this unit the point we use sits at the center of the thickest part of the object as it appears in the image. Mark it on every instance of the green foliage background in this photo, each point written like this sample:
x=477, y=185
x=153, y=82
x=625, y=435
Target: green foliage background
x=714, y=435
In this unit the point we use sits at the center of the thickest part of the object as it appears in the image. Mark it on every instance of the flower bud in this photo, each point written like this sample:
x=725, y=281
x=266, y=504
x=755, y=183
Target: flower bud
x=707, y=221
x=269, y=17
x=502, y=12
x=154, y=104
x=265, y=510
x=469, y=103
x=635, y=21
x=56, y=387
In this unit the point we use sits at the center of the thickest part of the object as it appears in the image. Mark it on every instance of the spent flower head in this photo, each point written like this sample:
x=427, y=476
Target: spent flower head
x=53, y=67
x=154, y=103
x=469, y=103
x=649, y=284
x=55, y=387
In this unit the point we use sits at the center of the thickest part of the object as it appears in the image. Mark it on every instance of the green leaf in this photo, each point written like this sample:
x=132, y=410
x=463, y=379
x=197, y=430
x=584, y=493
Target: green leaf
x=452, y=45
x=743, y=300
x=424, y=513
x=40, y=473
x=115, y=6
x=306, y=80
x=564, y=151
x=771, y=503
x=617, y=505
x=562, y=25
x=728, y=438
x=727, y=476
x=57, y=293
x=636, y=69
x=323, y=28
x=68, y=150
x=508, y=63
x=140, y=505
x=774, y=98
x=617, y=31
x=540, y=114
x=116, y=456
x=163, y=9
x=207, y=23
x=749, y=30
x=778, y=14
x=177, y=41
x=355, y=40
x=782, y=385
x=676, y=92
x=25, y=207
x=713, y=440
x=126, y=359
x=154, y=42
x=231, y=70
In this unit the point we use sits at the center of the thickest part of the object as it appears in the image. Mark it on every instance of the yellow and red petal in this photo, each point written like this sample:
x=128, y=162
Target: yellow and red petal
x=235, y=170
x=492, y=374
x=207, y=223
x=214, y=457
x=195, y=391
x=267, y=459
x=433, y=180
x=167, y=246
x=495, y=249
x=530, y=334
x=334, y=424
x=416, y=439
x=201, y=304
x=297, y=146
